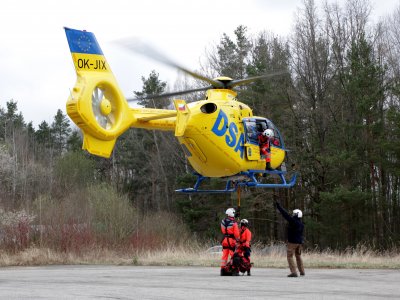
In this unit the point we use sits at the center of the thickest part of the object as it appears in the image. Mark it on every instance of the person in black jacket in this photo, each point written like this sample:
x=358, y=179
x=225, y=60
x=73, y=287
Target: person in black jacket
x=294, y=239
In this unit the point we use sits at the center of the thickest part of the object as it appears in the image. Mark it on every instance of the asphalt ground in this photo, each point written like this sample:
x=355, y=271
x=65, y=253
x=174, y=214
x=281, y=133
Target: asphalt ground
x=136, y=282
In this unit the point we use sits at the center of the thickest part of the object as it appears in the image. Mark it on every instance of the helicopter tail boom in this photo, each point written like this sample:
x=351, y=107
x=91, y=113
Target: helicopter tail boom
x=163, y=119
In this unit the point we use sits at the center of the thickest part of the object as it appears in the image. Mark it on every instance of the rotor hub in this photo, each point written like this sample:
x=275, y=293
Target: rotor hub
x=105, y=107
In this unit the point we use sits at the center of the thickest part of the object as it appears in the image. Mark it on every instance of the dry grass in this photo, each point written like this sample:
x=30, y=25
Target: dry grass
x=270, y=257
x=351, y=259
x=46, y=256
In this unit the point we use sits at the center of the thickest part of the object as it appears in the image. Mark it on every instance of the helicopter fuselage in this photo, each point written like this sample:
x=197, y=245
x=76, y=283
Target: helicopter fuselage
x=215, y=140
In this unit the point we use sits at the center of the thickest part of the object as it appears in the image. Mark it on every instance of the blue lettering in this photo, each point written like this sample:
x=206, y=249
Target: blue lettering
x=240, y=146
x=231, y=137
x=216, y=128
x=221, y=127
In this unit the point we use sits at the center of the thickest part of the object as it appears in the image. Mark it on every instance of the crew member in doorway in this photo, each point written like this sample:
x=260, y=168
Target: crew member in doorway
x=264, y=139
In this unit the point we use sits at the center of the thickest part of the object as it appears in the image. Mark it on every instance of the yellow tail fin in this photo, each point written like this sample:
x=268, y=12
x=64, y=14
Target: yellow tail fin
x=96, y=104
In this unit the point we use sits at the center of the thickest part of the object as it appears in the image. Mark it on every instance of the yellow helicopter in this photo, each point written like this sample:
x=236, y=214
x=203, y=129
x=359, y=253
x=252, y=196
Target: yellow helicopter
x=218, y=134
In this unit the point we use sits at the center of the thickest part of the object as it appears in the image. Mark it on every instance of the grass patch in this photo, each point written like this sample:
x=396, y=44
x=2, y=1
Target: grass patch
x=267, y=257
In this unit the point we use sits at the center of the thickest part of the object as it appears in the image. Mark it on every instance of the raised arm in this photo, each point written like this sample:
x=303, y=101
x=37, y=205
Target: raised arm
x=283, y=212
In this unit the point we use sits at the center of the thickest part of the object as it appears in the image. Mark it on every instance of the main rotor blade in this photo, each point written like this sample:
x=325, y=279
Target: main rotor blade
x=150, y=52
x=234, y=83
x=166, y=95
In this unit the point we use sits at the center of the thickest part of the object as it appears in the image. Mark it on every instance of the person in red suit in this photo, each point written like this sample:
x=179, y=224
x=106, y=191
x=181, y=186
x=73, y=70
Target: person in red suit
x=245, y=241
x=265, y=139
x=230, y=230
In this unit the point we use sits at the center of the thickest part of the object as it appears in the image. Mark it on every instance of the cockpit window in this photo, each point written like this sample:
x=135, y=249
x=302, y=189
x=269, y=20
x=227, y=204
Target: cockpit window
x=277, y=138
x=251, y=132
x=254, y=127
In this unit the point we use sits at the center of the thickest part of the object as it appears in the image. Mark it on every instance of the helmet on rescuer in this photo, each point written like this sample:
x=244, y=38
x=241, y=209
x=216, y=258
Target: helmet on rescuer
x=244, y=222
x=297, y=213
x=230, y=212
x=268, y=132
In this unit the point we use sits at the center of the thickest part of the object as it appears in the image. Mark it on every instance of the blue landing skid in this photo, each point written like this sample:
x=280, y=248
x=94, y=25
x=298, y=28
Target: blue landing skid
x=248, y=178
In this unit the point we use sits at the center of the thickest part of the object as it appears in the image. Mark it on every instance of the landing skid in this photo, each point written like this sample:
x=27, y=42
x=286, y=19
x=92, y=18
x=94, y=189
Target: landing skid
x=242, y=179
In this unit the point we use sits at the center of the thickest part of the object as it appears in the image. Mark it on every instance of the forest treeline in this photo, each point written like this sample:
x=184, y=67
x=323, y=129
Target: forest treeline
x=336, y=105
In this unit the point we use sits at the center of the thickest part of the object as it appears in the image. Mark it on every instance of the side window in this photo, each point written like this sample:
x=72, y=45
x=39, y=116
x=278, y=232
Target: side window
x=251, y=132
x=277, y=138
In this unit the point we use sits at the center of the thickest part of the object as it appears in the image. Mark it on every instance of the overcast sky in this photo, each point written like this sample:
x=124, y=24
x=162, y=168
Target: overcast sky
x=36, y=68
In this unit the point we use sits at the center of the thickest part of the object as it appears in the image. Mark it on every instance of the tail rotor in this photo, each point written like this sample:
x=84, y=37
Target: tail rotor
x=103, y=109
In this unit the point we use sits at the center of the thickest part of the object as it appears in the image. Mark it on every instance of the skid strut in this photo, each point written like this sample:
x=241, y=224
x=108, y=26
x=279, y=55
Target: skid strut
x=249, y=178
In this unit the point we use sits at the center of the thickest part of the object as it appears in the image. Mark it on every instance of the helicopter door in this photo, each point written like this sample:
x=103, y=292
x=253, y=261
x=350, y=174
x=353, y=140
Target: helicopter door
x=277, y=147
x=251, y=144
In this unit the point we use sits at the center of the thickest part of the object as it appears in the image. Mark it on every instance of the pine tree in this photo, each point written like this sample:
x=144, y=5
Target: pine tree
x=60, y=130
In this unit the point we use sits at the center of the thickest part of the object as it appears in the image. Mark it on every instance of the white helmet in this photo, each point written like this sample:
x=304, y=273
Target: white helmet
x=230, y=212
x=244, y=222
x=268, y=132
x=298, y=213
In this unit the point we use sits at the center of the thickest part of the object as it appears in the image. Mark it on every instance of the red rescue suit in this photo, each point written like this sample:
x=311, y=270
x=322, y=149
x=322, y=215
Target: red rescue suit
x=264, y=147
x=230, y=230
x=245, y=239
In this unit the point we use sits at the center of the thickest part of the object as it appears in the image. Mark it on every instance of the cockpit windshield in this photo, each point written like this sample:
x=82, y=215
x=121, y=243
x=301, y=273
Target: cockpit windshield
x=256, y=126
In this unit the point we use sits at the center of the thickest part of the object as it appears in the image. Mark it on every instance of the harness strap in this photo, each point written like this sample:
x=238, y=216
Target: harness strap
x=230, y=248
x=227, y=234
